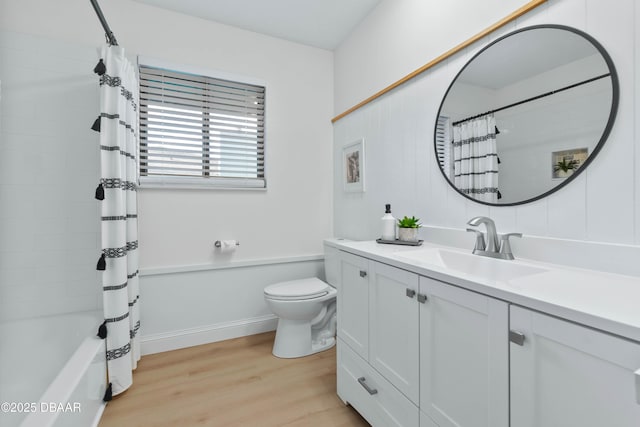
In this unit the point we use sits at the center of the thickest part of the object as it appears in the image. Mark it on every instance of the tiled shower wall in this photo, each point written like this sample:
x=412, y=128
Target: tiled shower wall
x=49, y=229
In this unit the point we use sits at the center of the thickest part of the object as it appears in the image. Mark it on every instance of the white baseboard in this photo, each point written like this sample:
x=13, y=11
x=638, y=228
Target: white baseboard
x=159, y=343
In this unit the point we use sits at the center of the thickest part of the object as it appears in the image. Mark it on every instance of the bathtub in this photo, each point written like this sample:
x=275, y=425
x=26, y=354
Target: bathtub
x=52, y=371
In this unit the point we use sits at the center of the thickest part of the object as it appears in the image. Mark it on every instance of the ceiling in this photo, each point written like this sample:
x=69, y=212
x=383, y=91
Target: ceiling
x=319, y=23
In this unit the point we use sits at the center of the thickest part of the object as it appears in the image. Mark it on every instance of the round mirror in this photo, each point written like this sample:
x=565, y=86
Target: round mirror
x=526, y=115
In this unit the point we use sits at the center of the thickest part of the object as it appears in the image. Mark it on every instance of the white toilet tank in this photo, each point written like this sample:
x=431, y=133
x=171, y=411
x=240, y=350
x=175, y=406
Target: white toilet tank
x=331, y=265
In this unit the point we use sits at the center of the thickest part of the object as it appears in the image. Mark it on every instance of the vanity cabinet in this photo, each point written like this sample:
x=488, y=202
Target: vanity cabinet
x=564, y=374
x=408, y=344
x=464, y=357
x=416, y=351
x=378, y=344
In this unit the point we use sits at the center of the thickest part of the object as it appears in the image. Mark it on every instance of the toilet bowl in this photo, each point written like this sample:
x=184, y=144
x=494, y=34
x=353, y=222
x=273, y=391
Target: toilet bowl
x=306, y=311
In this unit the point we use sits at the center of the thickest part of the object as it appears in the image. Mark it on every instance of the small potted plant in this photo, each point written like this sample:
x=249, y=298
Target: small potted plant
x=563, y=167
x=408, y=229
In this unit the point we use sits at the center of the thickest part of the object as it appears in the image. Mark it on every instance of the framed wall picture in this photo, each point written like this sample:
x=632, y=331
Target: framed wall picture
x=353, y=166
x=565, y=163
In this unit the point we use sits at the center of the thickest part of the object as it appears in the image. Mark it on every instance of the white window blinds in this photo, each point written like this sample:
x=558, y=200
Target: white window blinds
x=443, y=145
x=200, y=129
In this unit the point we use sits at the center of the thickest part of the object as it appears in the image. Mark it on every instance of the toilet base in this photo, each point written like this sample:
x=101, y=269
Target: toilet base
x=293, y=339
x=326, y=344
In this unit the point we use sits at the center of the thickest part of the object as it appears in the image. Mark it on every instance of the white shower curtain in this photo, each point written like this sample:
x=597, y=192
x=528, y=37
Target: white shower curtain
x=476, y=159
x=118, y=148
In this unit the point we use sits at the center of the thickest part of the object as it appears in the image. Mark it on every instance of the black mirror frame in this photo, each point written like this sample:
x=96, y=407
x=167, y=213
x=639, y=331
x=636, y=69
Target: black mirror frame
x=605, y=134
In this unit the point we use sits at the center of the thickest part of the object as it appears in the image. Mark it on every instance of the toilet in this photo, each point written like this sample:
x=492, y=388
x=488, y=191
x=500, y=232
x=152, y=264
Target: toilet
x=306, y=310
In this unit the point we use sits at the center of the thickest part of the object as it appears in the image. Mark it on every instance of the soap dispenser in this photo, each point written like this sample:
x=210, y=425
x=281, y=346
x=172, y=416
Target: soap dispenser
x=388, y=225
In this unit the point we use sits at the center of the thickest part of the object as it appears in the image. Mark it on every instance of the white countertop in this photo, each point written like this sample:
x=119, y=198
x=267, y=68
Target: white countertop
x=605, y=301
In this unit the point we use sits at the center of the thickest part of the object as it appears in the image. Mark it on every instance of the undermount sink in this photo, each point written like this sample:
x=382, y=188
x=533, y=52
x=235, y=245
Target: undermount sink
x=466, y=263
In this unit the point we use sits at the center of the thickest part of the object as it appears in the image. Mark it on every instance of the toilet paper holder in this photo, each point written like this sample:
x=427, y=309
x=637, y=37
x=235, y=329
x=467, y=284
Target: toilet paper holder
x=218, y=243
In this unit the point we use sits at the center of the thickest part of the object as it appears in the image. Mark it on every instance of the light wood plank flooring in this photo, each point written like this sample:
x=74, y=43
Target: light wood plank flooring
x=232, y=383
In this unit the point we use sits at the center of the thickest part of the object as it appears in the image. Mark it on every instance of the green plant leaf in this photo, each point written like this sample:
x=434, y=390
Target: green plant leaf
x=407, y=222
x=565, y=166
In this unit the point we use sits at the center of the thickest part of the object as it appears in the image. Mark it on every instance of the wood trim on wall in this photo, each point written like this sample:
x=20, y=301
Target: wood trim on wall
x=514, y=15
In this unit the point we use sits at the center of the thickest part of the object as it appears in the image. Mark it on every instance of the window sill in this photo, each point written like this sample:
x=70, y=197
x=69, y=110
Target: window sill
x=195, y=183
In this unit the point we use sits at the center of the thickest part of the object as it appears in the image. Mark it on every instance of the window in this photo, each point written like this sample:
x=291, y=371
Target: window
x=200, y=131
x=443, y=145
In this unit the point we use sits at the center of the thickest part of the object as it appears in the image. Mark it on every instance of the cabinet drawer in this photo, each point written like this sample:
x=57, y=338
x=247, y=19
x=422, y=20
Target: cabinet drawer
x=379, y=402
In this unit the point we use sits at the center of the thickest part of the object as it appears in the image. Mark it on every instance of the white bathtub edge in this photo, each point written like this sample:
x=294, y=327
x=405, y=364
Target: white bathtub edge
x=61, y=388
x=98, y=416
x=175, y=340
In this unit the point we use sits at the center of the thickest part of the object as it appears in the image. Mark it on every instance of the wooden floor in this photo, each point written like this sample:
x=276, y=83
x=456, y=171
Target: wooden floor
x=232, y=383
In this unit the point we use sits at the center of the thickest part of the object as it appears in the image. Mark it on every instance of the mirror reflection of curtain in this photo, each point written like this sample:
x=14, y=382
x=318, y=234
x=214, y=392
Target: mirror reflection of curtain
x=476, y=159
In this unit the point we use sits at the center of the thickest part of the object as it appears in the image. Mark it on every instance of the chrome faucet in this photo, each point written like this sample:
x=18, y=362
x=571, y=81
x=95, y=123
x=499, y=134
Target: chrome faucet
x=494, y=247
x=492, y=235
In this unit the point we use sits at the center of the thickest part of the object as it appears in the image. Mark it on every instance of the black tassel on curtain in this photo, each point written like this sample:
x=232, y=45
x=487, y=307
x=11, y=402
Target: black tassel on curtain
x=96, y=125
x=108, y=394
x=100, y=192
x=102, y=330
x=102, y=263
x=100, y=68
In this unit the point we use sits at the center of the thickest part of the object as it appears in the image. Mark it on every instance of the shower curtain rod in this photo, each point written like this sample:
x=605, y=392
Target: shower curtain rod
x=111, y=38
x=533, y=98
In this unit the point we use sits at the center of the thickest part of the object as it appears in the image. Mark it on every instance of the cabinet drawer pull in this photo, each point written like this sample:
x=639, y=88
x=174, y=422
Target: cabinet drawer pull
x=370, y=390
x=363, y=273
x=516, y=337
x=422, y=298
x=637, y=375
x=411, y=293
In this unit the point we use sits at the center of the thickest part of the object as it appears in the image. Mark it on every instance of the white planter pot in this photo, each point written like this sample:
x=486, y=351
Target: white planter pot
x=408, y=234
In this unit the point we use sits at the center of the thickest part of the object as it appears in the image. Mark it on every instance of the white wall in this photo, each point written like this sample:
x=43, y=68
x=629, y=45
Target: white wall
x=177, y=228
x=400, y=36
x=197, y=315
x=601, y=205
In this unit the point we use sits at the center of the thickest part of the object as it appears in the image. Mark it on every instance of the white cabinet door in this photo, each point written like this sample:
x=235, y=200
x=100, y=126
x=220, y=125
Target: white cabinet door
x=353, y=303
x=568, y=375
x=393, y=328
x=464, y=357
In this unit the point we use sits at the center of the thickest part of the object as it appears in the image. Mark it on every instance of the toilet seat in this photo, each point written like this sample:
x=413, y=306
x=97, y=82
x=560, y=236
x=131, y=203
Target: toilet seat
x=297, y=289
